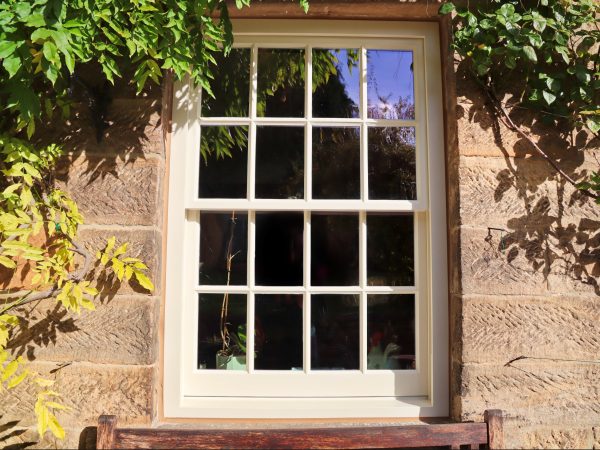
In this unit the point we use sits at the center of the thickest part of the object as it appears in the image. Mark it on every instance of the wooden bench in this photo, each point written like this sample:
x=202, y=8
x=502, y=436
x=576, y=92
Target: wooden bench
x=472, y=435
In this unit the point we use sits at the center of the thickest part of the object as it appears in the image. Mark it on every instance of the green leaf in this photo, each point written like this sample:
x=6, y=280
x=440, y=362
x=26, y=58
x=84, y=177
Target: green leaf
x=446, y=8
x=12, y=64
x=593, y=124
x=549, y=97
x=539, y=22
x=7, y=48
x=530, y=53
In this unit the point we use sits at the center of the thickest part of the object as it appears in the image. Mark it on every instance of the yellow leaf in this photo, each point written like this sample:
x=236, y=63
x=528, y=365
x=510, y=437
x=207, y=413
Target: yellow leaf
x=144, y=281
x=55, y=427
x=43, y=382
x=42, y=420
x=55, y=405
x=17, y=380
x=10, y=369
x=110, y=244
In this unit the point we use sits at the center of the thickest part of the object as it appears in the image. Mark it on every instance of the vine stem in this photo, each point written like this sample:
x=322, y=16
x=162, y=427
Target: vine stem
x=510, y=124
x=31, y=296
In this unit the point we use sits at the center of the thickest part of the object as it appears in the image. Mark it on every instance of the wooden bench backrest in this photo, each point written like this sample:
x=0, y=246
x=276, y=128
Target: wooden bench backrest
x=453, y=435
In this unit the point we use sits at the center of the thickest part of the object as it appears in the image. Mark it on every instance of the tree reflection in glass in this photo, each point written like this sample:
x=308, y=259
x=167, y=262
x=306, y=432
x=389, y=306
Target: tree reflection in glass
x=390, y=85
x=281, y=74
x=231, y=85
x=392, y=163
x=335, y=77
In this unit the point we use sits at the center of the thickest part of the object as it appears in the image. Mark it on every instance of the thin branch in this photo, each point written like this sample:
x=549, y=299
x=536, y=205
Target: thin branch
x=523, y=357
x=505, y=118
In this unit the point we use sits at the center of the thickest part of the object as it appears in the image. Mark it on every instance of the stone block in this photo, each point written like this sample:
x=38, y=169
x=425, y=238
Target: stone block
x=89, y=390
x=521, y=194
x=120, y=331
x=499, y=329
x=144, y=244
x=132, y=129
x=535, y=393
x=525, y=262
x=113, y=191
x=554, y=437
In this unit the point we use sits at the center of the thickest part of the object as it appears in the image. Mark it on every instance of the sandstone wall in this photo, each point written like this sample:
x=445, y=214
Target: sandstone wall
x=530, y=291
x=104, y=361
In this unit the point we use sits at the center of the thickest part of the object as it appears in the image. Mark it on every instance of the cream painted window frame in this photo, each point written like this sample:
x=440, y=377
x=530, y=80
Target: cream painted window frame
x=192, y=393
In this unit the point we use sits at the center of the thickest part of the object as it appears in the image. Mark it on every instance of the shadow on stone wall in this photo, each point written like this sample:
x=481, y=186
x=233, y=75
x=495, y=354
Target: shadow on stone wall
x=556, y=227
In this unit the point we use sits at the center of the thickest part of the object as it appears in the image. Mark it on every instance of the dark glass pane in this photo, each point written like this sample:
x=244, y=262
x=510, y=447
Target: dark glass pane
x=334, y=332
x=223, y=247
x=230, y=85
x=279, y=249
x=392, y=173
x=278, y=337
x=223, y=165
x=212, y=353
x=280, y=83
x=390, y=253
x=390, y=84
x=391, y=331
x=336, y=163
x=335, y=83
x=334, y=250
x=279, y=162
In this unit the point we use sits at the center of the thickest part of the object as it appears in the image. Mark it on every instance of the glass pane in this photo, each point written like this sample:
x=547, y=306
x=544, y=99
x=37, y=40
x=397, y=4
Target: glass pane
x=334, y=337
x=280, y=83
x=390, y=254
x=334, y=250
x=391, y=331
x=392, y=172
x=279, y=162
x=230, y=86
x=222, y=336
x=279, y=249
x=223, y=166
x=278, y=336
x=335, y=80
x=390, y=84
x=223, y=247
x=336, y=163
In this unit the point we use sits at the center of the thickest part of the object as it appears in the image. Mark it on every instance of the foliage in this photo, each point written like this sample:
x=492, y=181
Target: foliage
x=42, y=45
x=550, y=44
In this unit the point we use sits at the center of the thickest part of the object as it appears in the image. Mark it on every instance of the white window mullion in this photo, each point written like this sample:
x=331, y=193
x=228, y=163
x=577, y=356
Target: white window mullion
x=364, y=150
x=362, y=275
x=250, y=300
x=252, y=128
x=306, y=296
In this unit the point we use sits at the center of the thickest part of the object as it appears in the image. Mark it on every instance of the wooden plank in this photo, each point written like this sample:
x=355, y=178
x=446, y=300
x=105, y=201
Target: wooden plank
x=363, y=437
x=495, y=423
x=106, y=432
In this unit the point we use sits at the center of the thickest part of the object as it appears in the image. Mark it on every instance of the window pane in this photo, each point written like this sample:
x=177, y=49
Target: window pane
x=278, y=337
x=223, y=243
x=390, y=84
x=213, y=327
x=392, y=173
x=334, y=335
x=336, y=163
x=223, y=165
x=279, y=249
x=334, y=250
x=279, y=162
x=230, y=86
x=391, y=331
x=280, y=83
x=335, y=80
x=390, y=254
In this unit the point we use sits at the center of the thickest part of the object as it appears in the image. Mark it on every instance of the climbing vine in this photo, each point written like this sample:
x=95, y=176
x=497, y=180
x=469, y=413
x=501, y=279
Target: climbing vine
x=43, y=45
x=542, y=55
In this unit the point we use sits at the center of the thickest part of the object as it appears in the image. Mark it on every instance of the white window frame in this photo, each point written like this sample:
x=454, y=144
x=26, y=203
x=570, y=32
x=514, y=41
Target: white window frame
x=192, y=393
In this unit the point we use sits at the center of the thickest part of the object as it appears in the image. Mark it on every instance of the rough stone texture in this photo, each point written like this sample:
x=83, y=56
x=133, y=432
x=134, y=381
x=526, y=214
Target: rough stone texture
x=110, y=190
x=122, y=330
x=498, y=329
x=89, y=390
